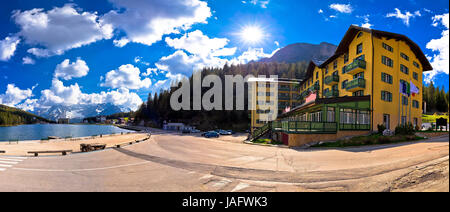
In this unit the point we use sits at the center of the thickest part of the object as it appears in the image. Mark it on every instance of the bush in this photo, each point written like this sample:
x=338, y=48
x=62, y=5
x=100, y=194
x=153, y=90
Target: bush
x=407, y=129
x=381, y=128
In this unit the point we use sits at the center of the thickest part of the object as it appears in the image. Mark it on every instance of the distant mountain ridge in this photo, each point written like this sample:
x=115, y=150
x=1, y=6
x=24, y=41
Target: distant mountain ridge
x=298, y=52
x=76, y=113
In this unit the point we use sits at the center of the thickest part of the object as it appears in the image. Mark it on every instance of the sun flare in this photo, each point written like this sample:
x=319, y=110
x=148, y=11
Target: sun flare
x=252, y=34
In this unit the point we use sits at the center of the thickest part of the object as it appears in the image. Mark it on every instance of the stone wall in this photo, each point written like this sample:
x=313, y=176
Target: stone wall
x=296, y=140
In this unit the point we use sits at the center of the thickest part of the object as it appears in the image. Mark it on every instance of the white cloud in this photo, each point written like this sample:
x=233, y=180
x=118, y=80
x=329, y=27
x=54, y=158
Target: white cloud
x=366, y=23
x=439, y=61
x=342, y=8
x=121, y=43
x=28, y=60
x=138, y=59
x=150, y=71
x=127, y=76
x=58, y=94
x=261, y=3
x=277, y=43
x=181, y=63
x=68, y=70
x=252, y=54
x=60, y=29
x=405, y=17
x=320, y=11
x=146, y=22
x=15, y=95
x=8, y=47
x=197, y=43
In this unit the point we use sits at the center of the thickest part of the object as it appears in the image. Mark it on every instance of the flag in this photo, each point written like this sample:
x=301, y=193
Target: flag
x=405, y=88
x=414, y=90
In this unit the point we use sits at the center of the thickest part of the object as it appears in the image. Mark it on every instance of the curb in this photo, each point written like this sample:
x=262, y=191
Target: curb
x=267, y=145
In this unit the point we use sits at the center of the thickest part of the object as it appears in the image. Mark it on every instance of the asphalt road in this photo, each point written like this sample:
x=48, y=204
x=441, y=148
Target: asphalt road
x=174, y=162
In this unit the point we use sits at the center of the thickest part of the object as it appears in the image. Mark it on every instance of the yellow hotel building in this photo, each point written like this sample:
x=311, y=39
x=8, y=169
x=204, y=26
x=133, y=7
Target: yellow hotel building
x=356, y=89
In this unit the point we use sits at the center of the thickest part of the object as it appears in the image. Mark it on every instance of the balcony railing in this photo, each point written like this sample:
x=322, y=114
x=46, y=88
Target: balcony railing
x=355, y=66
x=332, y=93
x=304, y=127
x=356, y=84
x=284, y=88
x=331, y=80
x=284, y=98
x=315, y=87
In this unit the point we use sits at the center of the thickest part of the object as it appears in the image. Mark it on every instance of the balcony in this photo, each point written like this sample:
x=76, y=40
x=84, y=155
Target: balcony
x=332, y=80
x=331, y=94
x=284, y=88
x=287, y=98
x=315, y=87
x=356, y=84
x=355, y=67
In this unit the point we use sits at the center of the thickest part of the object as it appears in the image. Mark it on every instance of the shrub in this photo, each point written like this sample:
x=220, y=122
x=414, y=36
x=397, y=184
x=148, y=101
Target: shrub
x=407, y=129
x=381, y=128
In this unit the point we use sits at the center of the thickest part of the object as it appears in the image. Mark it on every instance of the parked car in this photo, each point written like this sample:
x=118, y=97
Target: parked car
x=211, y=134
x=231, y=131
x=195, y=131
x=224, y=132
x=186, y=131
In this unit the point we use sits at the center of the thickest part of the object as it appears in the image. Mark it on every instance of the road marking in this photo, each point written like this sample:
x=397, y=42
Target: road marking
x=2, y=169
x=8, y=162
x=11, y=159
x=8, y=166
x=81, y=170
x=221, y=183
x=15, y=157
x=206, y=177
x=240, y=186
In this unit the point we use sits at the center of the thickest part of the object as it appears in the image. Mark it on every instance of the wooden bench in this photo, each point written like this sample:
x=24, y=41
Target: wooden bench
x=36, y=153
x=91, y=147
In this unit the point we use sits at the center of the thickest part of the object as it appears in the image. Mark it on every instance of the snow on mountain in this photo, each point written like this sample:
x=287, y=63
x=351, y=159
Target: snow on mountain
x=78, y=112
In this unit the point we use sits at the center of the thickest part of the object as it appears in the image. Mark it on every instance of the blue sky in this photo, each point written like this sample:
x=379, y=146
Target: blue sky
x=117, y=51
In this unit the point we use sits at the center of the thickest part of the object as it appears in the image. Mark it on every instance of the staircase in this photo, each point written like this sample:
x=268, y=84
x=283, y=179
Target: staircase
x=258, y=133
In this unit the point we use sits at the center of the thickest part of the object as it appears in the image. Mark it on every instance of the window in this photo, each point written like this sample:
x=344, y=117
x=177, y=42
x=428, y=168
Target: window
x=344, y=84
x=387, y=121
x=404, y=56
x=363, y=117
x=416, y=64
x=317, y=75
x=415, y=104
x=387, y=61
x=359, y=34
x=331, y=114
x=345, y=58
x=416, y=122
x=362, y=57
x=386, y=78
x=386, y=96
x=404, y=69
x=359, y=75
x=358, y=93
x=326, y=70
x=335, y=63
x=347, y=116
x=403, y=120
x=415, y=76
x=387, y=47
x=405, y=100
x=359, y=49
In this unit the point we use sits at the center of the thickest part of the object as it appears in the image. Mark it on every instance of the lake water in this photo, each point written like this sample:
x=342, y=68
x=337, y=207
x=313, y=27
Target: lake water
x=39, y=131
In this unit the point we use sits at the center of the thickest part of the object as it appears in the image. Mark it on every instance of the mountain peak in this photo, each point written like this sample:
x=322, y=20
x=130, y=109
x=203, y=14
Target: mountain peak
x=298, y=52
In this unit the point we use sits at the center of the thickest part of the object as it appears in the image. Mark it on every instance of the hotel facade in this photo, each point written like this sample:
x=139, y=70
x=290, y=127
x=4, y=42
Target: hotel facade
x=374, y=78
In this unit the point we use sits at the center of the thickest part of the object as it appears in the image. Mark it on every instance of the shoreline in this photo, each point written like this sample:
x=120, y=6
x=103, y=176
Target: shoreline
x=110, y=140
x=71, y=138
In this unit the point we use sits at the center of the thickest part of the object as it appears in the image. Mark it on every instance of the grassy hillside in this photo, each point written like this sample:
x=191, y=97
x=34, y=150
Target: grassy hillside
x=10, y=116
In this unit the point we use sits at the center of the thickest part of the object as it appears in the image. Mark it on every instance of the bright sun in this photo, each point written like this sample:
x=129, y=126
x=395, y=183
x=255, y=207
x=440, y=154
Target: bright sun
x=252, y=34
